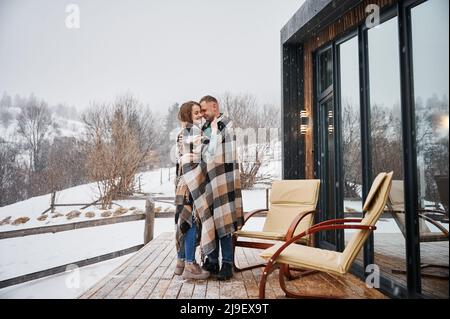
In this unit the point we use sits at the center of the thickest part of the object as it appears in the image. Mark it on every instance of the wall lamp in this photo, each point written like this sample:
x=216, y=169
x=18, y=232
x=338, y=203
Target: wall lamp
x=304, y=122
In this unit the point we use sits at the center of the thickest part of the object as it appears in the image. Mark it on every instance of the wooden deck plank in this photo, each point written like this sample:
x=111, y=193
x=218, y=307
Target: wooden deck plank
x=149, y=274
x=200, y=289
x=213, y=290
x=145, y=274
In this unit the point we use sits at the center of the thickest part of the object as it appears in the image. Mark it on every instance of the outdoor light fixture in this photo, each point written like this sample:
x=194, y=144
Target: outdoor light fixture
x=444, y=122
x=330, y=120
x=304, y=122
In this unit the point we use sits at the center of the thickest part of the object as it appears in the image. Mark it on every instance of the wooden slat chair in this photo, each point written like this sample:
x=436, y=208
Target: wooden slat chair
x=292, y=208
x=396, y=206
x=283, y=255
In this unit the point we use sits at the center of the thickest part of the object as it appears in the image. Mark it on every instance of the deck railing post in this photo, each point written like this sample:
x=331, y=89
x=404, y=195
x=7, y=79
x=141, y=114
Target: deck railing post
x=52, y=202
x=149, y=220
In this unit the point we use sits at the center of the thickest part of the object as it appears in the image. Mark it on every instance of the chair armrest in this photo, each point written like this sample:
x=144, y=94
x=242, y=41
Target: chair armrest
x=250, y=214
x=338, y=221
x=296, y=222
x=435, y=223
x=312, y=231
x=434, y=211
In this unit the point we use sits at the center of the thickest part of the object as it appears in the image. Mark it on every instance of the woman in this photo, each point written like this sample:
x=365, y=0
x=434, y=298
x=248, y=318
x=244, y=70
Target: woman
x=189, y=151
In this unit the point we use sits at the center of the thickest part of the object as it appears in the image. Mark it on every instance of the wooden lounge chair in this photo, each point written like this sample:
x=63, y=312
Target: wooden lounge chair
x=290, y=253
x=396, y=206
x=292, y=208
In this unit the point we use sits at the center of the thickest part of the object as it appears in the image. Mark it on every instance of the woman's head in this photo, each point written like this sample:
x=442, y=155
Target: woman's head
x=190, y=112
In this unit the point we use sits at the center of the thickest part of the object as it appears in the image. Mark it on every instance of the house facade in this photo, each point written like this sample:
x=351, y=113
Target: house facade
x=365, y=89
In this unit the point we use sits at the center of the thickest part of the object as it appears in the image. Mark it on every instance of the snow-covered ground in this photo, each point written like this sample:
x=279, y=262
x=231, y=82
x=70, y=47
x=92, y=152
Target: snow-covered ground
x=34, y=253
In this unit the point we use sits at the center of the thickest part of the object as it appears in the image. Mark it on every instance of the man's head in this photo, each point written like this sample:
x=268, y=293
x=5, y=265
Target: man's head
x=210, y=108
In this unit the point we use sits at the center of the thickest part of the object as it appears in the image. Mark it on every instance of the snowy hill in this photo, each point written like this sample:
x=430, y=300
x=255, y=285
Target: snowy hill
x=62, y=126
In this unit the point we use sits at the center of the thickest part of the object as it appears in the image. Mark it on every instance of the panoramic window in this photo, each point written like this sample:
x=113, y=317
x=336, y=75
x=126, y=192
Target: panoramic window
x=431, y=82
x=386, y=141
x=351, y=166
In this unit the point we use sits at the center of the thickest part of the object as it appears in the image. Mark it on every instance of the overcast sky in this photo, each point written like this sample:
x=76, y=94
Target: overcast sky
x=162, y=51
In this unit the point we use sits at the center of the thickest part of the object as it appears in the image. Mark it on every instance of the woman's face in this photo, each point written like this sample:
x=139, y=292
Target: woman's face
x=196, y=114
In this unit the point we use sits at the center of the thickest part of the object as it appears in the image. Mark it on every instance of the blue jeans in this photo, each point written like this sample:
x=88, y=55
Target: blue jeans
x=187, y=248
x=226, y=244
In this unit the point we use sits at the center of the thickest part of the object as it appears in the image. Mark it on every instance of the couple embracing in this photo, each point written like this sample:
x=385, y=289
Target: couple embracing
x=208, y=192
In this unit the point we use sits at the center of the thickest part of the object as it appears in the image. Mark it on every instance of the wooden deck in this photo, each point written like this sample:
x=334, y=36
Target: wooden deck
x=149, y=274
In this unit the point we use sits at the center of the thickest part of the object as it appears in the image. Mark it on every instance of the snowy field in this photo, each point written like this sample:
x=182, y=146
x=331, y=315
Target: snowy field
x=34, y=253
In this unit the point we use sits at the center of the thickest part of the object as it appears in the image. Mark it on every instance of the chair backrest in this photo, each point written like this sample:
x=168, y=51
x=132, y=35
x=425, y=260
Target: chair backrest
x=396, y=204
x=373, y=208
x=287, y=199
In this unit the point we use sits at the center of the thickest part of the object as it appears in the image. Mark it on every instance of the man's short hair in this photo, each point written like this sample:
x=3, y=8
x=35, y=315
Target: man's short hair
x=208, y=99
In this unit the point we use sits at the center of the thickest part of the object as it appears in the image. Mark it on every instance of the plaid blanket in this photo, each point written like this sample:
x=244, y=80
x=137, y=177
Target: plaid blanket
x=183, y=199
x=213, y=181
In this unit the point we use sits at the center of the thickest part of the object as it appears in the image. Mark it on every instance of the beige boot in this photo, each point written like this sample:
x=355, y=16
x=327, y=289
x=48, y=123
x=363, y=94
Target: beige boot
x=179, y=268
x=194, y=271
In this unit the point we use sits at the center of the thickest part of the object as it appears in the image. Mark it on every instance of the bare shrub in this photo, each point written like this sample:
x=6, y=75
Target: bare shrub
x=73, y=214
x=5, y=221
x=120, y=211
x=253, y=125
x=119, y=136
x=90, y=214
x=20, y=220
x=42, y=218
x=106, y=214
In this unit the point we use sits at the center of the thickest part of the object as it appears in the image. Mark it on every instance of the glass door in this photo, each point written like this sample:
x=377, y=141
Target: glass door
x=326, y=144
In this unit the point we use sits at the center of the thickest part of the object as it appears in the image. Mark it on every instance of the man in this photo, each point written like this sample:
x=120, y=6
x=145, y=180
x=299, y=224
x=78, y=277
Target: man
x=224, y=180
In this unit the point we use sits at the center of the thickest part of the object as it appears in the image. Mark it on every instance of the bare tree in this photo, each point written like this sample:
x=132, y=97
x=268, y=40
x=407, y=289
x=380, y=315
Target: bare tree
x=386, y=141
x=12, y=181
x=118, y=139
x=5, y=118
x=351, y=151
x=253, y=125
x=34, y=123
x=65, y=164
x=5, y=101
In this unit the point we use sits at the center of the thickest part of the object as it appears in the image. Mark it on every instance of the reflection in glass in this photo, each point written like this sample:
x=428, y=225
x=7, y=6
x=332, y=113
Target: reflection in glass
x=350, y=123
x=351, y=166
x=326, y=70
x=431, y=82
x=386, y=139
x=385, y=111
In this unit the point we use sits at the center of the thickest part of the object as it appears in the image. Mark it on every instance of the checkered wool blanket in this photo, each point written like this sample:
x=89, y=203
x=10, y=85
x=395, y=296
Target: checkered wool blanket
x=213, y=181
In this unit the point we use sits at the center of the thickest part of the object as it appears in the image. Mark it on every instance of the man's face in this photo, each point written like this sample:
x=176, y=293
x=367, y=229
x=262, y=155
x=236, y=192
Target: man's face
x=209, y=110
